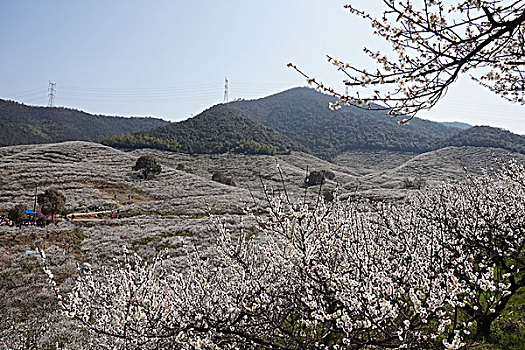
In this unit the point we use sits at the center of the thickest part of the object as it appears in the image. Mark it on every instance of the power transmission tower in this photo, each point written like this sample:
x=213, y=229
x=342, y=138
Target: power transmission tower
x=51, y=93
x=225, y=90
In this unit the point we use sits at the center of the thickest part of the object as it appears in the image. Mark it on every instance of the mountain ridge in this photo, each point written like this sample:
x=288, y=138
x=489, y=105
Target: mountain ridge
x=295, y=119
x=23, y=124
x=487, y=136
x=219, y=129
x=303, y=115
x=301, y=119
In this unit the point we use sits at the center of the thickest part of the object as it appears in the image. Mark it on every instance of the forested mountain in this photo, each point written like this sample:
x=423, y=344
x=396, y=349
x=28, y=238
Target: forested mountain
x=219, y=129
x=296, y=119
x=486, y=136
x=303, y=115
x=22, y=124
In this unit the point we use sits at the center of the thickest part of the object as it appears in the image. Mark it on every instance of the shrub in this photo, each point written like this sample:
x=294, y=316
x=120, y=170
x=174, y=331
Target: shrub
x=413, y=183
x=315, y=178
x=17, y=213
x=223, y=179
x=328, y=195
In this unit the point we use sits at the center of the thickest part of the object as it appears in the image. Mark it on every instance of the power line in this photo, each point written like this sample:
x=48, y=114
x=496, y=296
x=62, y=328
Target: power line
x=209, y=99
x=140, y=89
x=21, y=94
x=178, y=93
x=133, y=94
x=38, y=100
x=41, y=93
x=51, y=94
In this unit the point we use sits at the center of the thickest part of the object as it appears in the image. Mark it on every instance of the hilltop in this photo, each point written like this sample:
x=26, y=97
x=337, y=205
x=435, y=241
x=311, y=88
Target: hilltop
x=21, y=124
x=219, y=129
x=296, y=119
x=303, y=115
x=486, y=136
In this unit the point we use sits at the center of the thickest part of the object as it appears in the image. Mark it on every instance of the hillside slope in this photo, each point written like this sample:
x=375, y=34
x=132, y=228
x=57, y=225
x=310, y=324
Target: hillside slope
x=486, y=136
x=303, y=115
x=173, y=214
x=219, y=129
x=449, y=164
x=21, y=124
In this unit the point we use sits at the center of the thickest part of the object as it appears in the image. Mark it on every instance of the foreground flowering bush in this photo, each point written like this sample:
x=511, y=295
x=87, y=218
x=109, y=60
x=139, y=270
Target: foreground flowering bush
x=342, y=276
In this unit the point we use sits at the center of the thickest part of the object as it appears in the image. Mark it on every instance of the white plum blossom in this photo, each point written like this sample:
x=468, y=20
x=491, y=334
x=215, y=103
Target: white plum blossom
x=433, y=43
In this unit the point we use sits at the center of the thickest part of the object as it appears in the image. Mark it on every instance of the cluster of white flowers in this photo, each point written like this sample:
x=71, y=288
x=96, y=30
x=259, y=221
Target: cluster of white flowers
x=433, y=42
x=342, y=275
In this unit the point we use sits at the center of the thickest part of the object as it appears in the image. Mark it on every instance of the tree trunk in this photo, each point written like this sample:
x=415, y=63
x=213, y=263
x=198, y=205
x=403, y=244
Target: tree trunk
x=483, y=327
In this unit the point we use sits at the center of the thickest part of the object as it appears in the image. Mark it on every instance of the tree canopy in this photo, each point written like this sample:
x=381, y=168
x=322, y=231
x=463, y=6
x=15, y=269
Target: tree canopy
x=433, y=43
x=219, y=129
x=52, y=202
x=21, y=124
x=17, y=213
x=147, y=165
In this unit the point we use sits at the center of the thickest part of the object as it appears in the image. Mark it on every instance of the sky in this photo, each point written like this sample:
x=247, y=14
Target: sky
x=169, y=58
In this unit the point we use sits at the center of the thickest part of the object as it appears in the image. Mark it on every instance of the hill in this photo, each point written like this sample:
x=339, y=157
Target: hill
x=302, y=114
x=486, y=136
x=22, y=124
x=219, y=129
x=446, y=164
x=169, y=213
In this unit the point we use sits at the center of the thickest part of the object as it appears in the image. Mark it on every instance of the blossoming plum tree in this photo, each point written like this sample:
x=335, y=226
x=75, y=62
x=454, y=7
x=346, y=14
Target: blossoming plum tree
x=485, y=223
x=434, y=42
x=328, y=278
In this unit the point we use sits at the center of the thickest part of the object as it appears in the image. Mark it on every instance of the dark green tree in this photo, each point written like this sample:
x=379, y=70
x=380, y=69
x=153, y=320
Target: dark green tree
x=147, y=165
x=17, y=213
x=52, y=202
x=314, y=178
x=222, y=178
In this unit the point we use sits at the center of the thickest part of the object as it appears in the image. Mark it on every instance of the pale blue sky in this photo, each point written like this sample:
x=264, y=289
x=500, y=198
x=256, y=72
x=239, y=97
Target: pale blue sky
x=169, y=58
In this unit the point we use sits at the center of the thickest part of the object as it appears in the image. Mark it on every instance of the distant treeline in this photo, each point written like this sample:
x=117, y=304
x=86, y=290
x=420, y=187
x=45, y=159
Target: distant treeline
x=296, y=119
x=21, y=124
x=219, y=129
x=486, y=136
